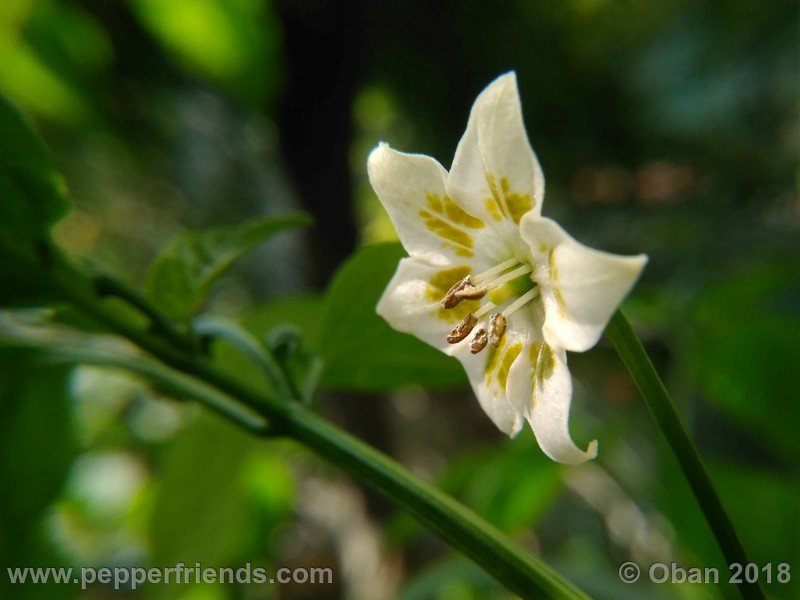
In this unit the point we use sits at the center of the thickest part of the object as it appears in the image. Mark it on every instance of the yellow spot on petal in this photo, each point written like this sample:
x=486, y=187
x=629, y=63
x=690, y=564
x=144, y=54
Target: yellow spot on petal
x=505, y=364
x=560, y=301
x=517, y=204
x=494, y=359
x=458, y=215
x=435, y=203
x=446, y=278
x=498, y=200
x=533, y=352
x=544, y=363
x=444, y=230
x=494, y=211
x=442, y=281
x=465, y=252
x=511, y=204
x=551, y=261
x=543, y=247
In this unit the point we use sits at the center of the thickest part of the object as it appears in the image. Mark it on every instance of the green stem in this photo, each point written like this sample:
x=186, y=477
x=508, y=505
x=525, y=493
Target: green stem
x=657, y=398
x=495, y=552
x=108, y=286
x=217, y=327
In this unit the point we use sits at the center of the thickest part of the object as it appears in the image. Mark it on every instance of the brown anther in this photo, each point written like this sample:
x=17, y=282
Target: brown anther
x=451, y=299
x=463, y=329
x=497, y=329
x=479, y=342
x=472, y=292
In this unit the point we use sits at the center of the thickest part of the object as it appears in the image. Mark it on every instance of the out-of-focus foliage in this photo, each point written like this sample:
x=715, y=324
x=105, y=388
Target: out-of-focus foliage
x=32, y=200
x=667, y=127
x=181, y=276
x=360, y=350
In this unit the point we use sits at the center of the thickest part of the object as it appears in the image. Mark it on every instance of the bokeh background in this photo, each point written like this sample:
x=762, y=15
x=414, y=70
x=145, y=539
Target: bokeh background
x=667, y=127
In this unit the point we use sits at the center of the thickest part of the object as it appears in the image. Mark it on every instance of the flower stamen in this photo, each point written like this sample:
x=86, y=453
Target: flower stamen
x=497, y=269
x=497, y=328
x=486, y=308
x=479, y=342
x=463, y=329
x=472, y=293
x=519, y=271
x=450, y=299
x=520, y=302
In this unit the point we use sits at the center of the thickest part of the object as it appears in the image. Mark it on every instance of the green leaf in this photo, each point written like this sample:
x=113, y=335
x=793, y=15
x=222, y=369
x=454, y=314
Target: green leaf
x=33, y=193
x=201, y=507
x=360, y=350
x=510, y=485
x=744, y=352
x=182, y=275
x=36, y=449
x=301, y=312
x=32, y=198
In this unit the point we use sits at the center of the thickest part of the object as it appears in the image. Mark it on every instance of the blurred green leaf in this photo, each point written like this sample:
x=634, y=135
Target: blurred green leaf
x=511, y=485
x=764, y=507
x=233, y=43
x=36, y=449
x=302, y=312
x=453, y=578
x=360, y=350
x=33, y=199
x=301, y=366
x=181, y=276
x=201, y=507
x=744, y=352
x=33, y=193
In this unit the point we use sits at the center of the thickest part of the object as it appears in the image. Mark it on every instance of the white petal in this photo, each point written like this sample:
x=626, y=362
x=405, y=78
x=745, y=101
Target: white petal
x=549, y=410
x=585, y=285
x=411, y=304
x=494, y=162
x=489, y=373
x=411, y=301
x=431, y=226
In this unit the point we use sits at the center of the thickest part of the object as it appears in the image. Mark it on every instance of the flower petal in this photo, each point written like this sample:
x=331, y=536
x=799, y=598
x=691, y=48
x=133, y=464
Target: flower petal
x=549, y=409
x=489, y=374
x=411, y=301
x=495, y=172
x=585, y=286
x=431, y=226
x=411, y=304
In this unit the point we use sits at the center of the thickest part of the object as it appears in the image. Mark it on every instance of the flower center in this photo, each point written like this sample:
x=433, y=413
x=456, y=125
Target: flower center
x=506, y=281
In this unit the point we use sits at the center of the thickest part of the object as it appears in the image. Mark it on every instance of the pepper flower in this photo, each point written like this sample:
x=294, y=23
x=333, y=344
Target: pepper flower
x=491, y=281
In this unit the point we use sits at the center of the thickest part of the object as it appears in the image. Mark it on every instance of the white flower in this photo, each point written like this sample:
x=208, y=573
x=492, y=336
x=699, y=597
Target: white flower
x=515, y=289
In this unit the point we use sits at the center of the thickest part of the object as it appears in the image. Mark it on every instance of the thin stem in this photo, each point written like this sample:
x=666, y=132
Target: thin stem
x=657, y=398
x=506, y=264
x=495, y=552
x=217, y=327
x=518, y=272
x=108, y=286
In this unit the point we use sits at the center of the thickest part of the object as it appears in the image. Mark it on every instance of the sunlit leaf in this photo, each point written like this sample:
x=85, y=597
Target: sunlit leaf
x=181, y=277
x=360, y=350
x=233, y=43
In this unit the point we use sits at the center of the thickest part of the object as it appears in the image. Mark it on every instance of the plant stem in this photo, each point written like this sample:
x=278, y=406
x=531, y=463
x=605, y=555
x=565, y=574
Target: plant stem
x=217, y=327
x=662, y=408
x=494, y=551
x=108, y=286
